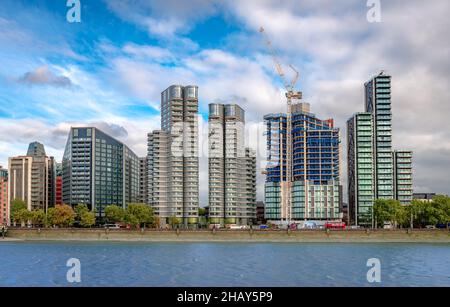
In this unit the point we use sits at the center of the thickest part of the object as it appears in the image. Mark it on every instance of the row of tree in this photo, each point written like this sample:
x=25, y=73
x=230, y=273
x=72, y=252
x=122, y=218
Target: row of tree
x=135, y=215
x=65, y=216
x=418, y=215
x=60, y=215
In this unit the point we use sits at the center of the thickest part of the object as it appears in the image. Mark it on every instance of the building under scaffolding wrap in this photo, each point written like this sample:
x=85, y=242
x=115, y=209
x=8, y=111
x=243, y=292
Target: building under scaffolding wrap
x=315, y=188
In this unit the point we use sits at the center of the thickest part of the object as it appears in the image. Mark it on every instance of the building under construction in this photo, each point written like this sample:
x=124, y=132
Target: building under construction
x=302, y=174
x=314, y=192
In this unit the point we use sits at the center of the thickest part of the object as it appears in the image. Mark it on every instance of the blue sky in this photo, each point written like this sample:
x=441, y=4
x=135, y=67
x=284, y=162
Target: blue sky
x=109, y=69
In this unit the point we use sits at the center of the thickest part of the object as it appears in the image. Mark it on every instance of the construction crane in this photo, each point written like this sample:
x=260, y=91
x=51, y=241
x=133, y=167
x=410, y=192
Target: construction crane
x=285, y=181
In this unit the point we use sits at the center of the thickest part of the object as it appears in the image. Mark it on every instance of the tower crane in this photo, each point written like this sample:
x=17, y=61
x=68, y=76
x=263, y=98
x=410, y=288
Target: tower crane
x=285, y=181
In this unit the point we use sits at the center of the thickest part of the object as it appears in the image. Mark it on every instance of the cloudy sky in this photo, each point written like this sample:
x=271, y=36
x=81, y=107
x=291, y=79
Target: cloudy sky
x=109, y=69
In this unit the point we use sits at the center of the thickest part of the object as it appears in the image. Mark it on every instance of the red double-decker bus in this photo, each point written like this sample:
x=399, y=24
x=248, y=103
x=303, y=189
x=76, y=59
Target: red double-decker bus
x=335, y=225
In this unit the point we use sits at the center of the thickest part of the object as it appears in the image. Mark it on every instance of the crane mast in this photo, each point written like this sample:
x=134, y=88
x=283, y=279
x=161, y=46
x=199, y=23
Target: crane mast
x=286, y=182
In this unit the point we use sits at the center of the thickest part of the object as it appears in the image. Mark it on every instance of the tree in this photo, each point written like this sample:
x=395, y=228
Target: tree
x=429, y=213
x=131, y=219
x=61, y=215
x=79, y=210
x=114, y=214
x=51, y=217
x=16, y=206
x=389, y=210
x=22, y=216
x=139, y=214
x=201, y=211
x=441, y=206
x=38, y=217
x=174, y=221
x=87, y=218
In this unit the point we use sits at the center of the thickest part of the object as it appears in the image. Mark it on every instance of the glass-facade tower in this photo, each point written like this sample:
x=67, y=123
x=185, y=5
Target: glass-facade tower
x=316, y=154
x=378, y=103
x=98, y=170
x=375, y=171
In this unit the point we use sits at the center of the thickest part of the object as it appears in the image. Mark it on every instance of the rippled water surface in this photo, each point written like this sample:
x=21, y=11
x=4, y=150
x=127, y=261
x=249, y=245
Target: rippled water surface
x=227, y=264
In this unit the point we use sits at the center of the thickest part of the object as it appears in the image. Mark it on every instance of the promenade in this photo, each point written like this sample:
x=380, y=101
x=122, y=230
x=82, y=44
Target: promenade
x=282, y=236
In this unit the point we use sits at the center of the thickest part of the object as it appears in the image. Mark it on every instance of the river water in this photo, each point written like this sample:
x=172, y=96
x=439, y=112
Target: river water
x=223, y=264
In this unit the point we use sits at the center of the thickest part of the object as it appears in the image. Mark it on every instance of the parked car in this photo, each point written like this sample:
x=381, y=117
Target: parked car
x=388, y=225
x=310, y=225
x=430, y=227
x=263, y=227
x=112, y=226
x=235, y=227
x=442, y=225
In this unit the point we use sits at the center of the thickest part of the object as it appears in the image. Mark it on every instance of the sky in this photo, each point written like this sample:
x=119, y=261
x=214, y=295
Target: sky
x=109, y=69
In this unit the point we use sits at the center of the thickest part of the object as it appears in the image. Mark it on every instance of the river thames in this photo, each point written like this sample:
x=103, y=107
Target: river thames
x=223, y=264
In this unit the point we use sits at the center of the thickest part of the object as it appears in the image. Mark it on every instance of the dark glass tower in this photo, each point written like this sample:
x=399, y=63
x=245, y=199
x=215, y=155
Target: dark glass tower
x=98, y=170
x=375, y=171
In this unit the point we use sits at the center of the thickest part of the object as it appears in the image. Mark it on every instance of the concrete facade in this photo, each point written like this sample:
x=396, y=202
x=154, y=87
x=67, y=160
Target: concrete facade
x=32, y=178
x=4, y=206
x=177, y=195
x=231, y=167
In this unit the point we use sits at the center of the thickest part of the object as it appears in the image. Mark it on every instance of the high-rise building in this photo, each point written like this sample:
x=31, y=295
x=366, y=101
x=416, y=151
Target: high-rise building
x=232, y=167
x=176, y=195
x=4, y=207
x=374, y=170
x=98, y=170
x=361, y=170
x=403, y=176
x=158, y=156
x=378, y=104
x=32, y=178
x=58, y=185
x=316, y=191
x=143, y=180
x=36, y=149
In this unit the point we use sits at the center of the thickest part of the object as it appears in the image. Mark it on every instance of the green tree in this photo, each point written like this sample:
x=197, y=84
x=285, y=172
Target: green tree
x=50, y=218
x=175, y=221
x=16, y=206
x=22, y=216
x=139, y=214
x=389, y=210
x=419, y=212
x=38, y=217
x=201, y=211
x=87, y=218
x=441, y=206
x=131, y=219
x=79, y=210
x=114, y=214
x=61, y=215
